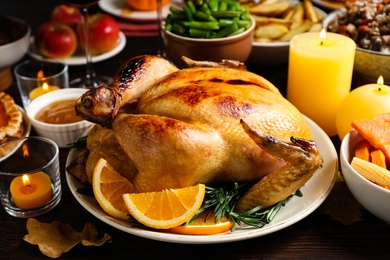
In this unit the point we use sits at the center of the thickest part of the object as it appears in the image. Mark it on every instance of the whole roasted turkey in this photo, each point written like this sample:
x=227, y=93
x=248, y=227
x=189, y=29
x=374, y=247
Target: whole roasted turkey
x=167, y=128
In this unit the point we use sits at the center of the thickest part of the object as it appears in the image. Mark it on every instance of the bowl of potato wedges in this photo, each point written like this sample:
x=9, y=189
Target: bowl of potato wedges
x=277, y=21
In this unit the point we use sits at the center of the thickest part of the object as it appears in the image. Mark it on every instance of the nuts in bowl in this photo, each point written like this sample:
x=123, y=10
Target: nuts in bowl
x=53, y=116
x=367, y=23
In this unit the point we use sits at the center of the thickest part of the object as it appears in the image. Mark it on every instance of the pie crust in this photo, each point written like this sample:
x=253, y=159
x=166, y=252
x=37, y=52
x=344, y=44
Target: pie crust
x=14, y=127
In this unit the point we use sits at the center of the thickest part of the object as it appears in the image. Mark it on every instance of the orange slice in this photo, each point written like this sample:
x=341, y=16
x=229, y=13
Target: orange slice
x=165, y=209
x=108, y=186
x=203, y=226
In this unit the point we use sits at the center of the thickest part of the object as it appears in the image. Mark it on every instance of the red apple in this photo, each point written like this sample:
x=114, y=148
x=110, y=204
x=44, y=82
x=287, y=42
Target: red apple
x=103, y=33
x=55, y=40
x=66, y=14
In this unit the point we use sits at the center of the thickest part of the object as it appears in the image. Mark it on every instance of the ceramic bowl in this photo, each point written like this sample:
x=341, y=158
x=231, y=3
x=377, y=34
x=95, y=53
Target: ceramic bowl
x=17, y=40
x=62, y=134
x=370, y=195
x=368, y=64
x=272, y=53
x=237, y=47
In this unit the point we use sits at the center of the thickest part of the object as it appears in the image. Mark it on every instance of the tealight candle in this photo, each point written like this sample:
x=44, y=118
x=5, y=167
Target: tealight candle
x=320, y=75
x=41, y=90
x=31, y=190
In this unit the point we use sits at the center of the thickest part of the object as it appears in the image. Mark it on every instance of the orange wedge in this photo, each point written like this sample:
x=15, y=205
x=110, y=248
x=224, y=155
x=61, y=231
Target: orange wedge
x=108, y=186
x=165, y=209
x=204, y=226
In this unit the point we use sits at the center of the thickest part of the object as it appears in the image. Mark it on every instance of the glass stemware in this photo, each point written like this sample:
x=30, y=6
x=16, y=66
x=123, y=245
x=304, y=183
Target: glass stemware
x=90, y=80
x=161, y=48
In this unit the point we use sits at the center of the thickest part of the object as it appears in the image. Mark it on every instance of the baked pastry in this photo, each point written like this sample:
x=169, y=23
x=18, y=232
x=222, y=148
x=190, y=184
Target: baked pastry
x=11, y=119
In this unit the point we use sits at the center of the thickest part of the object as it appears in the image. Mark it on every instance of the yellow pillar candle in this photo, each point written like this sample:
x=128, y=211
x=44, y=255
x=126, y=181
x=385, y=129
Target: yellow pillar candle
x=41, y=90
x=319, y=75
x=31, y=190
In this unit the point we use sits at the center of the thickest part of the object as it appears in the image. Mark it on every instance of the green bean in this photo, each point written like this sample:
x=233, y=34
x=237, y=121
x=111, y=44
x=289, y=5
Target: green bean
x=174, y=10
x=240, y=30
x=225, y=22
x=222, y=6
x=192, y=7
x=205, y=8
x=203, y=16
x=209, y=25
x=199, y=33
x=179, y=16
x=225, y=31
x=227, y=14
x=214, y=5
x=188, y=12
x=178, y=28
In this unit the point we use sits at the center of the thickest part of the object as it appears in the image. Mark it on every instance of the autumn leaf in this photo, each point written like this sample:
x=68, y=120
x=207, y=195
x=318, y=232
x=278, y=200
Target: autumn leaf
x=341, y=205
x=56, y=238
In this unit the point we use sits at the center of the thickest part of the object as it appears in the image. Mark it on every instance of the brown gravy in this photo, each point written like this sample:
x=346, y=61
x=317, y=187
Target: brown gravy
x=59, y=112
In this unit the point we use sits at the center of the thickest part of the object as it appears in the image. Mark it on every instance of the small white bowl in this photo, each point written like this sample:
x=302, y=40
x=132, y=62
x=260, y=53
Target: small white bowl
x=12, y=52
x=62, y=134
x=370, y=195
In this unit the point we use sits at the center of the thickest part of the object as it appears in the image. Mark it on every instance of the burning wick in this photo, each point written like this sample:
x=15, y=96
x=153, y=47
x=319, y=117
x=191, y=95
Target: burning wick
x=322, y=36
x=26, y=181
x=380, y=82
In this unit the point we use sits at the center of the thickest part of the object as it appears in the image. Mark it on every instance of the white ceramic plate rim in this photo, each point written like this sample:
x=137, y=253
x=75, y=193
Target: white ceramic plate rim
x=329, y=4
x=314, y=192
x=114, y=7
x=79, y=59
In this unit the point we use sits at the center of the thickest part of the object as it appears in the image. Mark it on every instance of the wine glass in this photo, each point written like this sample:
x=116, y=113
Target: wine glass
x=91, y=80
x=161, y=48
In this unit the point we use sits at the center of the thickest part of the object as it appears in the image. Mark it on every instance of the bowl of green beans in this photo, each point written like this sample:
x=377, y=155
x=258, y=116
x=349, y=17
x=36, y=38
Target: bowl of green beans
x=208, y=30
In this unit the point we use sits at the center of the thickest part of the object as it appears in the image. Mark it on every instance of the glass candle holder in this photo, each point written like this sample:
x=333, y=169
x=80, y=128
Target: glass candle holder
x=35, y=78
x=30, y=182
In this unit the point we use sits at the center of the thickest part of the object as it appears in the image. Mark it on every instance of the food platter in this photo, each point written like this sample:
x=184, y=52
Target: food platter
x=120, y=9
x=79, y=58
x=314, y=192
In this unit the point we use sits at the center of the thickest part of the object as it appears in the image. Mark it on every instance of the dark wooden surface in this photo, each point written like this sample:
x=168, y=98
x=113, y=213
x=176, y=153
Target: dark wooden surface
x=316, y=236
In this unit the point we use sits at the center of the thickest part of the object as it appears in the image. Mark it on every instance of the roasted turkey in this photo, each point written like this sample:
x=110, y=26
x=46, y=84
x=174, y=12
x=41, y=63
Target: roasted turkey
x=200, y=125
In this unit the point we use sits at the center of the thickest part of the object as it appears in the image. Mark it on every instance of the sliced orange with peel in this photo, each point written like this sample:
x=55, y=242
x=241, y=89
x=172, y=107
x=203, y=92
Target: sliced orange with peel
x=204, y=225
x=108, y=186
x=167, y=208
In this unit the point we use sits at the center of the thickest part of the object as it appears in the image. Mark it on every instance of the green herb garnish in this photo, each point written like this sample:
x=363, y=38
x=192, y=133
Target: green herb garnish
x=222, y=201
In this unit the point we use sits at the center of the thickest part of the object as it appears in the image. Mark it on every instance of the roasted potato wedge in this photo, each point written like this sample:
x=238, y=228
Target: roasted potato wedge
x=270, y=9
x=302, y=17
x=271, y=31
x=304, y=27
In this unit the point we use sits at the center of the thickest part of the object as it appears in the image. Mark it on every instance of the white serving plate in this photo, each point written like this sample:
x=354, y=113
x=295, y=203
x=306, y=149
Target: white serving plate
x=79, y=58
x=314, y=192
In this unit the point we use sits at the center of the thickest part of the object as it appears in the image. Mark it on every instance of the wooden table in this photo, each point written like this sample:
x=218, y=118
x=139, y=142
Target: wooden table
x=316, y=236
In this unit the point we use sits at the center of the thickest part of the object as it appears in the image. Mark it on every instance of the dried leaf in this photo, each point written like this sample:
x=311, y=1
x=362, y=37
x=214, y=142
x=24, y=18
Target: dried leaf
x=56, y=238
x=341, y=205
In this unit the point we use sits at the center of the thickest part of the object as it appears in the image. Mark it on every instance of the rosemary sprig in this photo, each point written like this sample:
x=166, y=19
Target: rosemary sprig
x=222, y=201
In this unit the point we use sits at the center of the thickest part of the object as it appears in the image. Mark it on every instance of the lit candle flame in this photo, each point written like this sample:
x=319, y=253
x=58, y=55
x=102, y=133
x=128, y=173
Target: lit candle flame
x=40, y=74
x=26, y=180
x=45, y=87
x=25, y=150
x=322, y=35
x=380, y=80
